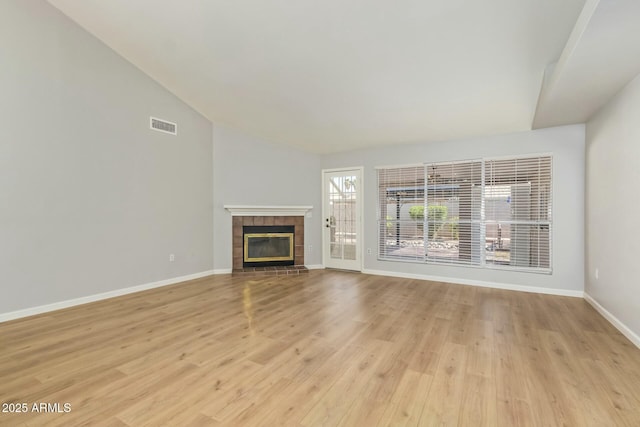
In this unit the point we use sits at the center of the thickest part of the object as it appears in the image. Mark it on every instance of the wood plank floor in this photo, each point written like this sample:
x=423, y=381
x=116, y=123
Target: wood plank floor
x=325, y=349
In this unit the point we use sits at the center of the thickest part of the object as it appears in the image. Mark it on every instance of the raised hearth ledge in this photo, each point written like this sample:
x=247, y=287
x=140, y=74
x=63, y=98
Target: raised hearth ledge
x=247, y=210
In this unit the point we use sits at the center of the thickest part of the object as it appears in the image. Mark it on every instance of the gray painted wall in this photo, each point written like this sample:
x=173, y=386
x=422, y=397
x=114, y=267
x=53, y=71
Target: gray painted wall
x=612, y=203
x=567, y=146
x=250, y=171
x=91, y=200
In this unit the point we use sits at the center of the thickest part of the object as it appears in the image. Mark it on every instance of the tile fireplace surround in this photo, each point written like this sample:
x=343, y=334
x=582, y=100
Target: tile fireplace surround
x=268, y=215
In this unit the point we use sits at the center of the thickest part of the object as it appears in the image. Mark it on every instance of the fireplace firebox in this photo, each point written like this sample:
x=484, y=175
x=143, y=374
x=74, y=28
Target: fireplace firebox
x=268, y=245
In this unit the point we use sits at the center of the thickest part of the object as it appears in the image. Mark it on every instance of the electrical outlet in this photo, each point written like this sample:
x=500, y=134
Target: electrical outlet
x=368, y=251
x=597, y=274
x=172, y=257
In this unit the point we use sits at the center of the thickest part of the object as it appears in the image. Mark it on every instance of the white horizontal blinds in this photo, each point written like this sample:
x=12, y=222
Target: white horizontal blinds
x=400, y=227
x=453, y=214
x=518, y=212
x=494, y=212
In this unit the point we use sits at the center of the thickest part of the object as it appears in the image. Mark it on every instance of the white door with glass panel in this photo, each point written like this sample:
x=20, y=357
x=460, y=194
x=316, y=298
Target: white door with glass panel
x=341, y=218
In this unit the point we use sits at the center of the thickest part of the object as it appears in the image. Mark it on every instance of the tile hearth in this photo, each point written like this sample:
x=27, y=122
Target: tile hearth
x=271, y=271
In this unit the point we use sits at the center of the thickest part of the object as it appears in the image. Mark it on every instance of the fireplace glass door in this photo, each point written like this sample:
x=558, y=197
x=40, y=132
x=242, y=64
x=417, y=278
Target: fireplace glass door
x=264, y=247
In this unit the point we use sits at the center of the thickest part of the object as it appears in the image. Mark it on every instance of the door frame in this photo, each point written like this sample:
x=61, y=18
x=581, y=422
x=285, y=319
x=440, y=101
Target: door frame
x=359, y=212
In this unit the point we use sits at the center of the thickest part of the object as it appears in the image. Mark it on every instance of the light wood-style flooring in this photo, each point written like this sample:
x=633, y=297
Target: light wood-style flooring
x=325, y=349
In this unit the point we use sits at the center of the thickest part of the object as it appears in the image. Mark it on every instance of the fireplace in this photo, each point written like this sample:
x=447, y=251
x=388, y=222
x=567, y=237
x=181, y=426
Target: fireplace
x=268, y=245
x=278, y=238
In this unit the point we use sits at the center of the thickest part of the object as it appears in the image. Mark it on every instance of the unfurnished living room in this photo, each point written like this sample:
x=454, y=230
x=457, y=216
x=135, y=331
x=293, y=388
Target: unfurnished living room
x=319, y=213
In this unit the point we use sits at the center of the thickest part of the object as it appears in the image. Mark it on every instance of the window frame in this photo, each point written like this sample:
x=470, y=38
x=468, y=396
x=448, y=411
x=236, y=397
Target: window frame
x=483, y=221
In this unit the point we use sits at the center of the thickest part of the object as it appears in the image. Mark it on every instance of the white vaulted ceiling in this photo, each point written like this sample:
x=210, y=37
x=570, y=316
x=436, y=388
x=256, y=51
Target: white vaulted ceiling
x=341, y=74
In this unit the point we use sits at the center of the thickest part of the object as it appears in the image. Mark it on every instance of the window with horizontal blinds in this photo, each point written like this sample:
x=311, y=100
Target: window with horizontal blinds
x=518, y=212
x=453, y=212
x=401, y=229
x=494, y=213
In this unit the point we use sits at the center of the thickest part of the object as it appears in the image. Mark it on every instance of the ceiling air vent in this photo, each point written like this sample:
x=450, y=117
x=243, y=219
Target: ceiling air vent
x=163, y=126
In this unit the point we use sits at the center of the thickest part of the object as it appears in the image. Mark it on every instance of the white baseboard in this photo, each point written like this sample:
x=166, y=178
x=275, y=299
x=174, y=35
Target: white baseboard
x=315, y=267
x=624, y=329
x=4, y=317
x=495, y=285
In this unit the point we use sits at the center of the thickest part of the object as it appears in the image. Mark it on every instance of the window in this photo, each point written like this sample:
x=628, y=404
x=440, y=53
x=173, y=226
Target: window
x=453, y=222
x=401, y=198
x=491, y=213
x=518, y=212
